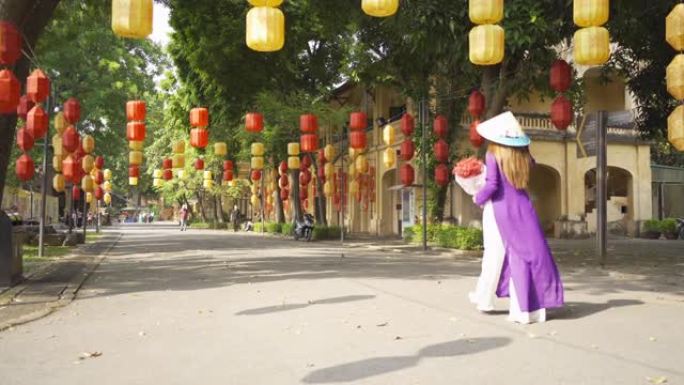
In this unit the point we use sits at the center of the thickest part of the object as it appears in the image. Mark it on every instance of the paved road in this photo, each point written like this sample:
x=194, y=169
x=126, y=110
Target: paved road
x=167, y=307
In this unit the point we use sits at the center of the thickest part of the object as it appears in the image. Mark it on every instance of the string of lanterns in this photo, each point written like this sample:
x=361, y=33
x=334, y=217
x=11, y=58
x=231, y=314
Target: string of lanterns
x=407, y=150
x=560, y=79
x=476, y=108
x=441, y=150
x=37, y=122
x=591, y=41
x=58, y=181
x=308, y=125
x=265, y=26
x=136, y=112
x=487, y=39
x=132, y=18
x=674, y=32
x=72, y=144
x=380, y=8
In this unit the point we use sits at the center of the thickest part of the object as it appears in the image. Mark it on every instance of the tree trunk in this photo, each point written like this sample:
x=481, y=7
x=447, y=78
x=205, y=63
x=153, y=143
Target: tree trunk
x=30, y=17
x=295, y=196
x=280, y=207
x=218, y=209
x=203, y=215
x=319, y=201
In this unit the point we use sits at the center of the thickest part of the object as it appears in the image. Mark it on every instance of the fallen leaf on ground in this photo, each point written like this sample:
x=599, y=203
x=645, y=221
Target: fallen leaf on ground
x=397, y=338
x=657, y=380
x=652, y=339
x=85, y=355
x=382, y=324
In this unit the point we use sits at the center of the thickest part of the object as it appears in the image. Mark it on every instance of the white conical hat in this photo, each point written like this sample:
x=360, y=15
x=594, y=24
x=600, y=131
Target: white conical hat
x=504, y=129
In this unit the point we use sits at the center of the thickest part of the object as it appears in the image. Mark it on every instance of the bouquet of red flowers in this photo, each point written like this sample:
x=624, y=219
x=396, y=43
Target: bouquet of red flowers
x=470, y=175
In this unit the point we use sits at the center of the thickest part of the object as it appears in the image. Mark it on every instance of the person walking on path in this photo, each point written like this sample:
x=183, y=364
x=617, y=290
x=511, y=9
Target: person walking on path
x=184, y=213
x=529, y=275
x=235, y=218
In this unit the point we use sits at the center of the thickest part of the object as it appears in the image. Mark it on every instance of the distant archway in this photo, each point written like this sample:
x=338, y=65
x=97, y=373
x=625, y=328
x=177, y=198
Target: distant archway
x=389, y=219
x=620, y=196
x=545, y=192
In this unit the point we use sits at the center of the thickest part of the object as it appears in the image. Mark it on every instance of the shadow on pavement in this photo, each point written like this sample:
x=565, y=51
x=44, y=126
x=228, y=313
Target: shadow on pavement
x=358, y=370
x=577, y=310
x=295, y=306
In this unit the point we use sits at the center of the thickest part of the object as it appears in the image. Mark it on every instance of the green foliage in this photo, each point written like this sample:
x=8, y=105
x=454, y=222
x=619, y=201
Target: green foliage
x=287, y=229
x=652, y=225
x=453, y=237
x=199, y=225
x=668, y=226
x=321, y=233
x=274, y=227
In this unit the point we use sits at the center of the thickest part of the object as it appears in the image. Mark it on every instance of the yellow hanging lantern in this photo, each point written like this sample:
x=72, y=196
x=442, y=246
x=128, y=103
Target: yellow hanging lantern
x=254, y=189
x=293, y=162
x=380, y=8
x=58, y=183
x=329, y=170
x=57, y=145
x=486, y=44
x=486, y=11
x=265, y=3
x=57, y=163
x=220, y=149
x=361, y=164
x=675, y=128
x=107, y=174
x=353, y=187
x=591, y=13
x=135, y=145
x=257, y=149
x=592, y=46
x=132, y=18
x=293, y=149
x=388, y=135
x=135, y=158
x=180, y=174
x=674, y=27
x=675, y=77
x=208, y=175
x=88, y=143
x=88, y=163
x=157, y=174
x=107, y=186
x=328, y=189
x=352, y=170
x=87, y=184
x=389, y=157
x=157, y=182
x=269, y=200
x=178, y=147
x=93, y=172
x=60, y=123
x=178, y=161
x=207, y=183
x=107, y=198
x=353, y=153
x=89, y=197
x=265, y=29
x=133, y=181
x=254, y=200
x=257, y=163
x=329, y=152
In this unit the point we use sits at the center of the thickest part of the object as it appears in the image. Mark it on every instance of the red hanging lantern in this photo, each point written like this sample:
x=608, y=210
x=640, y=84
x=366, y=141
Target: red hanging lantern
x=98, y=193
x=407, y=174
x=475, y=138
x=441, y=149
x=168, y=174
x=407, y=150
x=306, y=162
x=70, y=167
x=167, y=164
x=303, y=193
x=441, y=126
x=284, y=194
x=560, y=76
x=442, y=175
x=227, y=165
x=99, y=162
x=75, y=193
x=561, y=112
x=78, y=172
x=80, y=152
x=228, y=175
x=136, y=110
x=134, y=172
x=37, y=86
x=254, y=122
x=358, y=121
x=309, y=142
x=408, y=124
x=476, y=104
x=199, y=138
x=256, y=175
x=283, y=181
x=283, y=167
x=25, y=168
x=304, y=177
x=321, y=174
x=358, y=140
x=199, y=164
x=135, y=131
x=25, y=105
x=71, y=141
x=10, y=92
x=72, y=110
x=98, y=178
x=10, y=43
x=24, y=140
x=199, y=117
x=308, y=123
x=37, y=122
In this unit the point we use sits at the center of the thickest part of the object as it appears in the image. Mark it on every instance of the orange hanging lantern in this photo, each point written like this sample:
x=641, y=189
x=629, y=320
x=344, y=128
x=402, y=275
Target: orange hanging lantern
x=407, y=175
x=476, y=104
x=37, y=86
x=254, y=122
x=25, y=168
x=440, y=126
x=358, y=139
x=25, y=140
x=99, y=193
x=308, y=123
x=70, y=139
x=309, y=142
x=199, y=117
x=135, y=131
x=10, y=92
x=70, y=167
x=10, y=43
x=442, y=175
x=72, y=110
x=25, y=105
x=133, y=172
x=358, y=121
x=75, y=193
x=560, y=76
x=37, y=122
x=475, y=138
x=199, y=138
x=441, y=149
x=98, y=177
x=407, y=150
x=561, y=112
x=136, y=110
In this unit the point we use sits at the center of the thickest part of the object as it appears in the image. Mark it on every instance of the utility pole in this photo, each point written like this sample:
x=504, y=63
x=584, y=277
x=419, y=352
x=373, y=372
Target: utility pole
x=43, y=188
x=601, y=187
x=423, y=123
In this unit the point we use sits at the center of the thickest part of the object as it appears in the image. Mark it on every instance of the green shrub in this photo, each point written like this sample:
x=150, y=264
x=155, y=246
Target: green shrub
x=258, y=227
x=452, y=237
x=668, y=226
x=409, y=233
x=326, y=232
x=274, y=227
x=287, y=229
x=200, y=225
x=221, y=226
x=652, y=225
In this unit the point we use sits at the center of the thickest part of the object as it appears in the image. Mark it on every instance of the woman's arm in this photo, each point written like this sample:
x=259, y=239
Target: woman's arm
x=491, y=181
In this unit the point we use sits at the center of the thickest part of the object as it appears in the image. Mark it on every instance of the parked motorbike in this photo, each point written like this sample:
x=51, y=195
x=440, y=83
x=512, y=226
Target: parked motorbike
x=680, y=228
x=304, y=228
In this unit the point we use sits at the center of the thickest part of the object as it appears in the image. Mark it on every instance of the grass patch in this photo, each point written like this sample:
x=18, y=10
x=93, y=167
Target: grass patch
x=452, y=237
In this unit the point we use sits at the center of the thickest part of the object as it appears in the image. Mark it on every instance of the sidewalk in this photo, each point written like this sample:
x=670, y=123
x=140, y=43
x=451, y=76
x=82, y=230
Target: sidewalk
x=54, y=285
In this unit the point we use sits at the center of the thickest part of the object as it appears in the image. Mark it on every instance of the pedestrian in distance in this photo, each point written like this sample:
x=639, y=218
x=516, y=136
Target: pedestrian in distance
x=235, y=218
x=183, y=215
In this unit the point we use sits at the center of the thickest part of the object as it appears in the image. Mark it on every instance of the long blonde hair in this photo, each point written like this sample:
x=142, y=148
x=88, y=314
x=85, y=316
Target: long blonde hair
x=515, y=162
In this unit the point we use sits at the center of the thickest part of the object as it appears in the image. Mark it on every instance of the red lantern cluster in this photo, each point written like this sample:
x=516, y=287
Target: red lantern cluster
x=308, y=125
x=407, y=149
x=167, y=167
x=72, y=110
x=476, y=108
x=136, y=112
x=199, y=164
x=199, y=135
x=441, y=150
x=25, y=105
x=227, y=171
x=37, y=86
x=284, y=181
x=10, y=51
x=560, y=80
x=9, y=92
x=358, y=122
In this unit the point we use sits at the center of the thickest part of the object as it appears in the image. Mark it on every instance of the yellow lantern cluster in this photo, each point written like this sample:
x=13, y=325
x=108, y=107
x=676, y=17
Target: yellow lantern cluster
x=380, y=8
x=88, y=163
x=208, y=180
x=132, y=18
x=178, y=159
x=58, y=181
x=220, y=149
x=388, y=137
x=265, y=26
x=486, y=40
x=257, y=152
x=591, y=41
x=293, y=156
x=157, y=182
x=361, y=164
x=329, y=152
x=389, y=157
x=674, y=34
